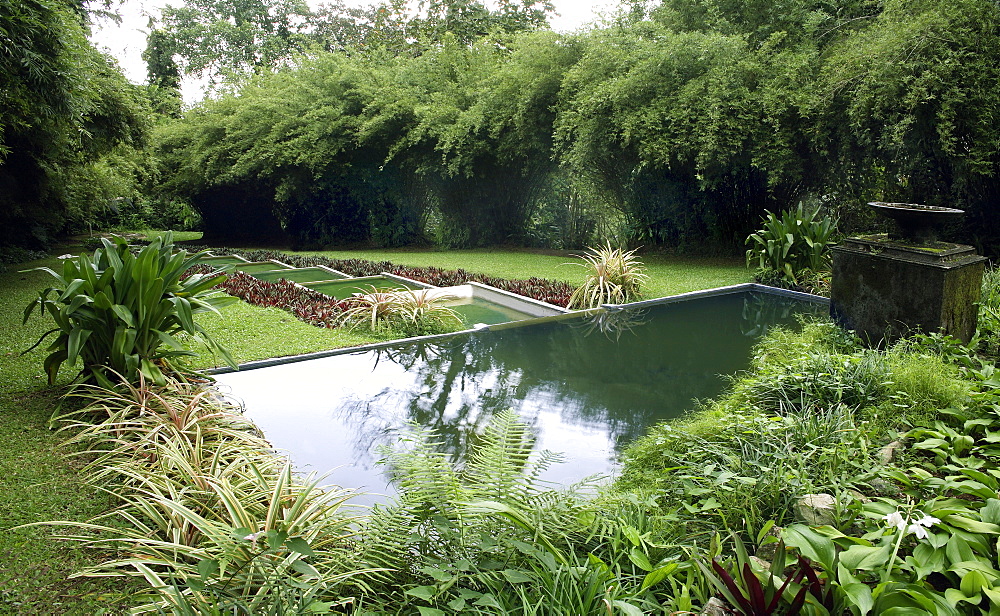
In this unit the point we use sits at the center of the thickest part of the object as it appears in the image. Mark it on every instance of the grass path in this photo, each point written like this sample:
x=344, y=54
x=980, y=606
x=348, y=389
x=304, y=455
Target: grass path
x=37, y=482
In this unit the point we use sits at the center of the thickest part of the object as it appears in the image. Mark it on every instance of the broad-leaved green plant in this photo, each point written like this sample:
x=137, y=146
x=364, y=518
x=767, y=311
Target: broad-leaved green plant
x=121, y=313
x=795, y=244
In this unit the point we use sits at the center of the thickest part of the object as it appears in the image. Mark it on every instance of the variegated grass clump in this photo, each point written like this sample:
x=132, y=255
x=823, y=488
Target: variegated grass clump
x=413, y=313
x=614, y=276
x=210, y=516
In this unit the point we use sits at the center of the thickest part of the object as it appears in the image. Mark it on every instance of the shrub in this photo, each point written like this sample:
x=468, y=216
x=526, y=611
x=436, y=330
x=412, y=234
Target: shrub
x=490, y=537
x=209, y=515
x=989, y=312
x=807, y=417
x=306, y=305
x=614, y=276
x=412, y=313
x=15, y=254
x=794, y=247
x=121, y=312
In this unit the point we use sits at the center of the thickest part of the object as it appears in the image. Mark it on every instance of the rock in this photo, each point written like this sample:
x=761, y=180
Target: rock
x=888, y=453
x=766, y=551
x=858, y=496
x=816, y=509
x=715, y=607
x=760, y=563
x=883, y=488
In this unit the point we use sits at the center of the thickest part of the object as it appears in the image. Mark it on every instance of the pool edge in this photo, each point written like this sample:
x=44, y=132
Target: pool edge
x=670, y=299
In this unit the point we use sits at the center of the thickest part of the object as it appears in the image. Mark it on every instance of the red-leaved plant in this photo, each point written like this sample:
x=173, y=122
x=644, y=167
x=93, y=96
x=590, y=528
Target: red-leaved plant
x=551, y=291
x=305, y=304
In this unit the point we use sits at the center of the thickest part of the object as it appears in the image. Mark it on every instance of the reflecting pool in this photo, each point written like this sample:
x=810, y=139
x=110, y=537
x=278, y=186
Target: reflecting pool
x=586, y=386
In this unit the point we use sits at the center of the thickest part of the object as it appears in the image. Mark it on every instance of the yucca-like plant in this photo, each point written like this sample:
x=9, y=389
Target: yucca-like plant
x=121, y=313
x=614, y=276
x=794, y=245
x=408, y=312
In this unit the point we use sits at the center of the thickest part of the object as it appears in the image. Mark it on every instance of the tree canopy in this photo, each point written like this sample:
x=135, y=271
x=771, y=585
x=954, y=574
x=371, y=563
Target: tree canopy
x=464, y=124
x=65, y=109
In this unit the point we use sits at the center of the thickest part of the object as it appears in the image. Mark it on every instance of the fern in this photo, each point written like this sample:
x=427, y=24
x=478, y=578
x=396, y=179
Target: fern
x=498, y=467
x=447, y=521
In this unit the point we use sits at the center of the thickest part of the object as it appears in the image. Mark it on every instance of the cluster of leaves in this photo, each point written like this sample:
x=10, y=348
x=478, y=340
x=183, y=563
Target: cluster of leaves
x=72, y=128
x=489, y=537
x=685, y=125
x=214, y=521
x=227, y=41
x=120, y=313
x=793, y=247
x=209, y=516
x=307, y=305
x=411, y=313
x=551, y=291
x=15, y=254
x=810, y=416
x=932, y=548
x=988, y=332
x=614, y=276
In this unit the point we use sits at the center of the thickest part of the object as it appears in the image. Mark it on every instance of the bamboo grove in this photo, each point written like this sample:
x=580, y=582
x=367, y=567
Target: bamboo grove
x=676, y=123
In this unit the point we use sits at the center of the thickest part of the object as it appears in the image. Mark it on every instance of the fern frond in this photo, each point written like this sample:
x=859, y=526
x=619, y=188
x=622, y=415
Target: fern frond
x=499, y=466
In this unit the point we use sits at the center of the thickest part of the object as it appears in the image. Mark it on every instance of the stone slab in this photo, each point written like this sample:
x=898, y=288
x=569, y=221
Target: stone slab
x=885, y=289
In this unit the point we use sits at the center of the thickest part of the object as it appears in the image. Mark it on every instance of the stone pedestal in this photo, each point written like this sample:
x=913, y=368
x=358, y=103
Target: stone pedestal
x=884, y=289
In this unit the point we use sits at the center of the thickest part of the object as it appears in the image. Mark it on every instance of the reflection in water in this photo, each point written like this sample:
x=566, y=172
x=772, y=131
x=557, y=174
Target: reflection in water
x=585, y=389
x=761, y=311
x=612, y=323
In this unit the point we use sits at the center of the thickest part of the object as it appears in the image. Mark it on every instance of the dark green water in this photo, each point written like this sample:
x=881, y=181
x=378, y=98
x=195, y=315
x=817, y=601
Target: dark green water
x=585, y=391
x=476, y=310
x=299, y=274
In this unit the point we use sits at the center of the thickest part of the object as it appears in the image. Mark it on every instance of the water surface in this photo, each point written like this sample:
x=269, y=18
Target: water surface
x=343, y=289
x=586, y=388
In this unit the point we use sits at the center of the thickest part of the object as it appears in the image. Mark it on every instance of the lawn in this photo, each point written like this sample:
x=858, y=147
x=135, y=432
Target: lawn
x=39, y=483
x=667, y=275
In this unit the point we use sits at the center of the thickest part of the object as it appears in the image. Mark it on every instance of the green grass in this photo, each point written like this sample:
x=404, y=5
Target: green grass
x=179, y=236
x=37, y=482
x=250, y=333
x=667, y=275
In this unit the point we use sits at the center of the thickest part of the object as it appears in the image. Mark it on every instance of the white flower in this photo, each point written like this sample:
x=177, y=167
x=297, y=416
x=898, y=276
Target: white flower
x=928, y=521
x=917, y=530
x=253, y=536
x=896, y=519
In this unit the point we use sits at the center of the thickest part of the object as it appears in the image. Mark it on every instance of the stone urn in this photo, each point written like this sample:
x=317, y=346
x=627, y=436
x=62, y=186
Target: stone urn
x=916, y=223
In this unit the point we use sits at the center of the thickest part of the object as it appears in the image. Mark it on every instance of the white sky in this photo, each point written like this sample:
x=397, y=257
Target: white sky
x=126, y=42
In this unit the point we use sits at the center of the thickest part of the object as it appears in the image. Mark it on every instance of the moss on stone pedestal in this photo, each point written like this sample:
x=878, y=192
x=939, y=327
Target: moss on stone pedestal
x=884, y=289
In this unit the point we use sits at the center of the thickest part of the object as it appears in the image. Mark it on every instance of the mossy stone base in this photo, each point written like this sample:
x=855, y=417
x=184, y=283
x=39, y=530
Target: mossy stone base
x=884, y=289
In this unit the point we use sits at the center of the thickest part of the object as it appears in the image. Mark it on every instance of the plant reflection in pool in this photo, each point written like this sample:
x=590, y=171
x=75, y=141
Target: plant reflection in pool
x=586, y=386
